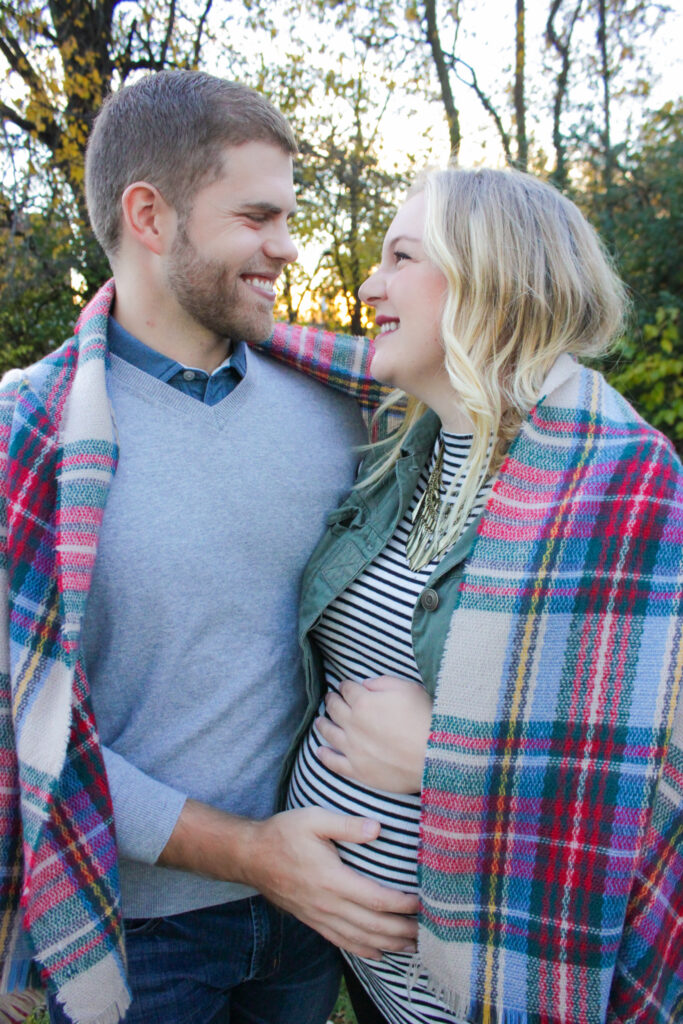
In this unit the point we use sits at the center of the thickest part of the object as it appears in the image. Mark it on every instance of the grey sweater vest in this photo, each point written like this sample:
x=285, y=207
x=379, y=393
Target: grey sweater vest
x=190, y=630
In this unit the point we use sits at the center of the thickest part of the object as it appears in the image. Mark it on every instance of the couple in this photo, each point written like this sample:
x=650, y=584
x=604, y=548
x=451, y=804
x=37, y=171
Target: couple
x=487, y=664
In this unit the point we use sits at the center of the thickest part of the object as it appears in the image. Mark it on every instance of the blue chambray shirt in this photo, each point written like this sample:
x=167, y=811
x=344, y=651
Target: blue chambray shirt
x=207, y=388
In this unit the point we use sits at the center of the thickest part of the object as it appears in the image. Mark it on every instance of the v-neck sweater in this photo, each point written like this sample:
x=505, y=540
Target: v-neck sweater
x=189, y=635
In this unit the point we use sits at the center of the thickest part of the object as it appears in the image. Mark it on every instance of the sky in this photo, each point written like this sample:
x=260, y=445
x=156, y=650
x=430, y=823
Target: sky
x=486, y=43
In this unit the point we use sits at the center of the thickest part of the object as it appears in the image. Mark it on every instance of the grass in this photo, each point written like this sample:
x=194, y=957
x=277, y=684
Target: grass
x=38, y=1016
x=342, y=1013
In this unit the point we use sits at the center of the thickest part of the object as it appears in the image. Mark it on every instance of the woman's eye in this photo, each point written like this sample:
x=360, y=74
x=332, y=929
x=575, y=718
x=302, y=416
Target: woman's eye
x=399, y=256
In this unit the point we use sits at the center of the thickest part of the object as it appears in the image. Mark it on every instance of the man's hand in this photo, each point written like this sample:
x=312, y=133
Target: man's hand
x=292, y=860
x=377, y=733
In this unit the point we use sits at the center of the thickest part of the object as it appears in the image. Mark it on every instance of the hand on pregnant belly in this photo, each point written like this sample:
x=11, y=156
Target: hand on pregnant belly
x=377, y=732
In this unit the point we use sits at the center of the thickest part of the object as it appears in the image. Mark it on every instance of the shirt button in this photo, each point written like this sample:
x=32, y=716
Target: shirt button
x=188, y=374
x=429, y=599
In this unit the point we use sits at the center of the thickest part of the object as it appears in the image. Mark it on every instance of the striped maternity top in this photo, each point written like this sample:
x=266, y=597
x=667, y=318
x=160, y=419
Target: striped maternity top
x=365, y=632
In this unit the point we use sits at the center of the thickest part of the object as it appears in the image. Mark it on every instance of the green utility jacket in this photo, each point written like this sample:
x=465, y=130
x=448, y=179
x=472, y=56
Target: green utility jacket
x=358, y=531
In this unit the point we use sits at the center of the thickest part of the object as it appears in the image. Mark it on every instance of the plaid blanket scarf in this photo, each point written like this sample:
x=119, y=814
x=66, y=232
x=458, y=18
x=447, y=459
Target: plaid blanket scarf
x=551, y=857
x=59, y=881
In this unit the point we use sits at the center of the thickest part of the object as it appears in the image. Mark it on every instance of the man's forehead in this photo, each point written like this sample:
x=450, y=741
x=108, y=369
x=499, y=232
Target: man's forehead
x=256, y=171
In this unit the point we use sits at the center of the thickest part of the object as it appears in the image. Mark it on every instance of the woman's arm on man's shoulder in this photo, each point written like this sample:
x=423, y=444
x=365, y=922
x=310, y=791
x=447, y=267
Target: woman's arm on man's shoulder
x=340, y=361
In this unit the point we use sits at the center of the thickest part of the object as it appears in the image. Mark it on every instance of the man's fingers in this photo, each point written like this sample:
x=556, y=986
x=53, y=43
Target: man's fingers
x=355, y=926
x=393, y=906
x=343, y=828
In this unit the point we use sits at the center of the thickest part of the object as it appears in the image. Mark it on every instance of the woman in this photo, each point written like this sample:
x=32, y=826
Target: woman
x=511, y=556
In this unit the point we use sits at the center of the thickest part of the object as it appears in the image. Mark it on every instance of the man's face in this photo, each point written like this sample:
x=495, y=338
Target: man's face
x=231, y=247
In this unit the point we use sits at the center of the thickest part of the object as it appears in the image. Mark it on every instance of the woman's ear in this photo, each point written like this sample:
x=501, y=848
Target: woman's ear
x=147, y=218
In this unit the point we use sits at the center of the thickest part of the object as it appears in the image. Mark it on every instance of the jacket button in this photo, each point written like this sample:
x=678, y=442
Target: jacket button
x=429, y=599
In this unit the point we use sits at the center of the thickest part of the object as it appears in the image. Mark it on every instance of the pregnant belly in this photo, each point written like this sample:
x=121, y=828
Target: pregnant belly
x=392, y=857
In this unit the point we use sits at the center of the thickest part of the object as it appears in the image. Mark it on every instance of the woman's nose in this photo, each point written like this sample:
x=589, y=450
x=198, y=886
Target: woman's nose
x=371, y=290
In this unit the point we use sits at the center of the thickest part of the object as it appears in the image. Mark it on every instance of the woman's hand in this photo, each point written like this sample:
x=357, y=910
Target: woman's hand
x=377, y=731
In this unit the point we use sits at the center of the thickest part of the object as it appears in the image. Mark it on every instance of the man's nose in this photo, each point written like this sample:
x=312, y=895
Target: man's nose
x=280, y=246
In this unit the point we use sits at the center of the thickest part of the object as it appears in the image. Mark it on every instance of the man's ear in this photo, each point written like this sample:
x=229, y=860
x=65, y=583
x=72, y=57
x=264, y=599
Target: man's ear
x=147, y=217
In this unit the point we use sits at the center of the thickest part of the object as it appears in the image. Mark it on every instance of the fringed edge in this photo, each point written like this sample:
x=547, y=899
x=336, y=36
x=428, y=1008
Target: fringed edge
x=472, y=1010
x=112, y=1014
x=97, y=995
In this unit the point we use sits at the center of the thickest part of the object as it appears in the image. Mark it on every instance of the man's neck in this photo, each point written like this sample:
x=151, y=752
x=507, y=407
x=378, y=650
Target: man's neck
x=169, y=331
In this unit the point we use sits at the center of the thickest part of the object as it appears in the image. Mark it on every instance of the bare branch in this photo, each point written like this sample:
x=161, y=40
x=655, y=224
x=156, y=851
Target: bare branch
x=563, y=48
x=518, y=90
x=11, y=50
x=169, y=33
x=8, y=114
x=200, y=30
x=486, y=103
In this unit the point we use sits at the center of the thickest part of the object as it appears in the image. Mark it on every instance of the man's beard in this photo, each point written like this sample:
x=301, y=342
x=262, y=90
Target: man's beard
x=213, y=294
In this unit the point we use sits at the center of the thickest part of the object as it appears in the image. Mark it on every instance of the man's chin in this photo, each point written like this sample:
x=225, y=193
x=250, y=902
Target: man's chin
x=255, y=329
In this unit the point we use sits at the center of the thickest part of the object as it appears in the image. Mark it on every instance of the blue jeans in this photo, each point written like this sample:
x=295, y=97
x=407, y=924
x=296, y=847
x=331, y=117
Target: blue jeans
x=238, y=963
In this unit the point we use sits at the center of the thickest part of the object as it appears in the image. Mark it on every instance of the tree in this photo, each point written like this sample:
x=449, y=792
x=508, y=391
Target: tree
x=613, y=67
x=346, y=198
x=647, y=218
x=36, y=242
x=61, y=59
x=559, y=40
x=426, y=34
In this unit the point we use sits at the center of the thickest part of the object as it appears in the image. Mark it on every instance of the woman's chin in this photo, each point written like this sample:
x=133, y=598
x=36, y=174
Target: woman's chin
x=380, y=371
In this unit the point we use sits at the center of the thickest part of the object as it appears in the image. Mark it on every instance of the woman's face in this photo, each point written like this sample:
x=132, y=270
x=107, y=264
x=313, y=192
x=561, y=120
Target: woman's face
x=408, y=293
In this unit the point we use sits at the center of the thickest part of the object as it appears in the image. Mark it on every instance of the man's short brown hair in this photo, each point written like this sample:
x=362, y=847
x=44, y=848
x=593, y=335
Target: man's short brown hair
x=171, y=129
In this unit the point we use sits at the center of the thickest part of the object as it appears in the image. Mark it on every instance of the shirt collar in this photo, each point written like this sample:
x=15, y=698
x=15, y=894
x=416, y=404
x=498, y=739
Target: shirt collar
x=126, y=346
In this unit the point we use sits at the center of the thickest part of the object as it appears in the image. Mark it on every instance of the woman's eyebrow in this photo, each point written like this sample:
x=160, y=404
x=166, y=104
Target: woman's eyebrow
x=404, y=238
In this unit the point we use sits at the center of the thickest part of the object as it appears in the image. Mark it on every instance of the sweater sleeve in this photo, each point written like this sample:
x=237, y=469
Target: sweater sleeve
x=145, y=810
x=340, y=361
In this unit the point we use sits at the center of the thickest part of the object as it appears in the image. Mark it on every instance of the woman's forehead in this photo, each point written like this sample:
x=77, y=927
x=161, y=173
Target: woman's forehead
x=409, y=220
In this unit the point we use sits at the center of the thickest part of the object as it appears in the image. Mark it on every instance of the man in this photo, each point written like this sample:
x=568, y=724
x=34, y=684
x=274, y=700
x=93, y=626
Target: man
x=163, y=488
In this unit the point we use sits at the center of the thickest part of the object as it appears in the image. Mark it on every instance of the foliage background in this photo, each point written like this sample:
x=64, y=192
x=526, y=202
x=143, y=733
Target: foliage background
x=570, y=92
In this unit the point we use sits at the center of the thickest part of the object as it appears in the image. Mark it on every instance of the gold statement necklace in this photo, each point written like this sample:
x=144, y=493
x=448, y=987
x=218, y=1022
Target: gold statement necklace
x=419, y=545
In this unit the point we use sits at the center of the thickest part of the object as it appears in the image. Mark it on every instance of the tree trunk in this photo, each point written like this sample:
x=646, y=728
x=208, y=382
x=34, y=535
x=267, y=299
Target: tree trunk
x=606, y=134
x=443, y=74
x=521, y=162
x=562, y=46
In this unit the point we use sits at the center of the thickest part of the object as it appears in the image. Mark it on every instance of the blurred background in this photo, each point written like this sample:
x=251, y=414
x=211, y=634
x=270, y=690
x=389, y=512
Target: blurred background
x=585, y=93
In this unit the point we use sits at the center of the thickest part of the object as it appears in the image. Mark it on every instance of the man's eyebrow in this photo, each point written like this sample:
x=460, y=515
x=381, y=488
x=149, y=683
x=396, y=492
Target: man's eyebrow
x=265, y=208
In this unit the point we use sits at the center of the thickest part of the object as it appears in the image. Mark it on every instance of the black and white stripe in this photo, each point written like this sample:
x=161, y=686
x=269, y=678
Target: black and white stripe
x=365, y=632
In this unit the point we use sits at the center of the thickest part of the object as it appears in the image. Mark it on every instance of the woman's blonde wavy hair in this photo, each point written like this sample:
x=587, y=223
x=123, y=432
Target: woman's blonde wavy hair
x=528, y=279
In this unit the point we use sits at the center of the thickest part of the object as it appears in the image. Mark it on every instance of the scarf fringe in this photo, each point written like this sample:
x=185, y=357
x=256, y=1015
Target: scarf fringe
x=98, y=995
x=474, y=1011
x=110, y=1015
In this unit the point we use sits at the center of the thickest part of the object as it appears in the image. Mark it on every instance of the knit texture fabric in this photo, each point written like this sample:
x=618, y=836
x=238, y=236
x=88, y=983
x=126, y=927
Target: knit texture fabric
x=551, y=858
x=57, y=834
